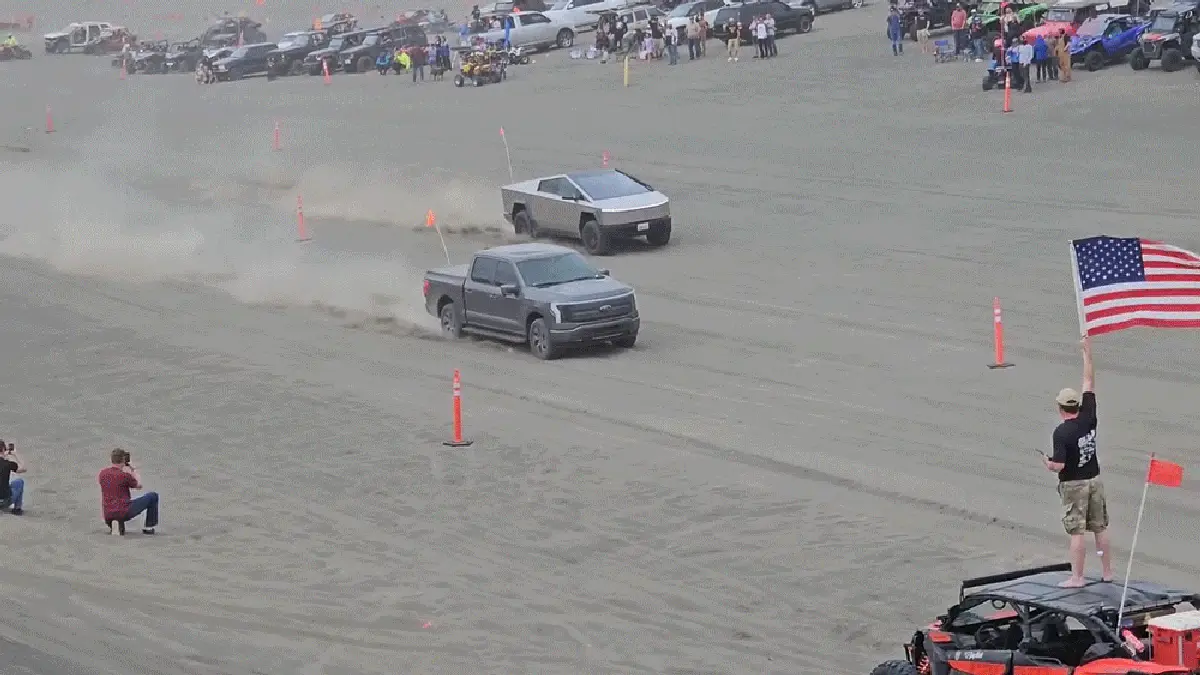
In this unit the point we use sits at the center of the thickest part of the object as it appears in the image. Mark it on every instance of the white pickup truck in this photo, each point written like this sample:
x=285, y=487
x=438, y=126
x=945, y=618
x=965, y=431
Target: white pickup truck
x=532, y=30
x=80, y=37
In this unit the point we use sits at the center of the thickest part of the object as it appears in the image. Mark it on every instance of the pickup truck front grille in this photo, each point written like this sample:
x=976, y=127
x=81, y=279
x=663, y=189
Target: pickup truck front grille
x=598, y=310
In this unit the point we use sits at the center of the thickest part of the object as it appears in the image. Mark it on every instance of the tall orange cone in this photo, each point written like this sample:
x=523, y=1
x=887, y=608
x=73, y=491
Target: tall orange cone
x=325, y=71
x=49, y=121
x=998, y=337
x=301, y=230
x=457, y=440
x=275, y=145
x=1007, y=92
x=430, y=219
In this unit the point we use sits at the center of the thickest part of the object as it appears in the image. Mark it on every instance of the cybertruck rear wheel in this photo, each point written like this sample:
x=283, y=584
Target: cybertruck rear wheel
x=895, y=668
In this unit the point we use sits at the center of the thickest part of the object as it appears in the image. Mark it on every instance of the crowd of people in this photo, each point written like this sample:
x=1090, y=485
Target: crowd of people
x=659, y=40
x=117, y=505
x=415, y=59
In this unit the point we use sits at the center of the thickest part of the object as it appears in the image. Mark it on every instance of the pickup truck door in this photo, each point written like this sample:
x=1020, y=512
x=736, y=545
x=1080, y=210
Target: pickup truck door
x=507, y=309
x=537, y=28
x=480, y=295
x=555, y=213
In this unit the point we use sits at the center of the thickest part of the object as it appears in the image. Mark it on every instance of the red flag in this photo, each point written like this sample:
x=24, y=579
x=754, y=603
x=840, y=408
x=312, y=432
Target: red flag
x=501, y=131
x=1166, y=474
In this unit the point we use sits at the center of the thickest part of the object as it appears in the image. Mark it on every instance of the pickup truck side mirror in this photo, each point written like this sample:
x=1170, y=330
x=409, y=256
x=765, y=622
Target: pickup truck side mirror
x=510, y=290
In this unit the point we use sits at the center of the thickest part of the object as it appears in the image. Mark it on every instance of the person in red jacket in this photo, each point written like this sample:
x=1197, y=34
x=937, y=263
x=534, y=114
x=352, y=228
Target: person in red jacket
x=115, y=483
x=958, y=24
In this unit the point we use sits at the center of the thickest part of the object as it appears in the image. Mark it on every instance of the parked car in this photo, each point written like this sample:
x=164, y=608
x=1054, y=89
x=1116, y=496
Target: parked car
x=1105, y=39
x=230, y=31
x=1196, y=50
x=786, y=18
x=361, y=58
x=687, y=11
x=584, y=14
x=549, y=297
x=243, y=61
x=1068, y=15
x=288, y=56
x=330, y=55
x=87, y=37
x=1168, y=38
x=823, y=6
x=532, y=30
x=638, y=17
x=937, y=11
x=594, y=206
x=183, y=56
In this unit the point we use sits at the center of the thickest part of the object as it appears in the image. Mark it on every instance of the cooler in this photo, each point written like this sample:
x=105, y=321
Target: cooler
x=1175, y=638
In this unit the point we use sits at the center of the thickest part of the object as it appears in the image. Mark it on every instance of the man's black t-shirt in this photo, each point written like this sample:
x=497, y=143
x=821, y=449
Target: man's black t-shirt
x=6, y=469
x=1075, y=443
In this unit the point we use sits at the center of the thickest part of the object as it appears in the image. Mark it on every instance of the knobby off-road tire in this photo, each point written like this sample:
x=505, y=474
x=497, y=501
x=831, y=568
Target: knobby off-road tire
x=1138, y=61
x=1093, y=61
x=895, y=668
x=1172, y=60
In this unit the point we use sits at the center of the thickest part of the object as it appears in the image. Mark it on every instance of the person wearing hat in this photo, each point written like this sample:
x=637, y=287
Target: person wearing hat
x=1074, y=460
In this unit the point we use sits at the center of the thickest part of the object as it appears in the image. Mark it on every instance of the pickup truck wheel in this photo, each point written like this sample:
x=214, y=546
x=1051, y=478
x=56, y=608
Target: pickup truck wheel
x=565, y=38
x=363, y=65
x=595, y=240
x=451, y=321
x=539, y=341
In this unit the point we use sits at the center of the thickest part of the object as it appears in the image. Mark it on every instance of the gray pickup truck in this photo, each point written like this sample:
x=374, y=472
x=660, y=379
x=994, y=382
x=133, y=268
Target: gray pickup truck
x=545, y=295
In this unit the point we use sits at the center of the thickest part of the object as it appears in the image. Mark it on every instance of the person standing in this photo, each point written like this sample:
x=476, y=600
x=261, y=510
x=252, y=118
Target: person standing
x=1041, y=56
x=1085, y=508
x=958, y=24
x=671, y=38
x=1025, y=59
x=772, y=50
x=419, y=58
x=1064, y=57
x=1052, y=58
x=115, y=483
x=922, y=22
x=760, y=35
x=976, y=34
x=656, y=34
x=735, y=40
x=704, y=34
x=895, y=28
x=693, y=39
x=12, y=488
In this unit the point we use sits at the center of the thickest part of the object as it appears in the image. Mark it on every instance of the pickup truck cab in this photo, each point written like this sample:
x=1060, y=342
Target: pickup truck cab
x=547, y=296
x=532, y=30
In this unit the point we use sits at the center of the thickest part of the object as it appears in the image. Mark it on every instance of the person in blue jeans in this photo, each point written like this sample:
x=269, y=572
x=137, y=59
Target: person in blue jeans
x=115, y=483
x=895, y=31
x=12, y=489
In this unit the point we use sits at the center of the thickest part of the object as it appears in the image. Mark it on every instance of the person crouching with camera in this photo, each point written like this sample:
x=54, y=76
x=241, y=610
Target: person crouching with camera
x=115, y=483
x=12, y=489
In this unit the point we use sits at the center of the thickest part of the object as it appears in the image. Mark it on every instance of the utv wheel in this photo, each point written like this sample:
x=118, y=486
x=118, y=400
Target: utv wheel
x=451, y=321
x=1138, y=61
x=459, y=81
x=988, y=83
x=595, y=240
x=659, y=235
x=565, y=38
x=806, y=24
x=1172, y=60
x=1093, y=61
x=540, y=344
x=363, y=65
x=895, y=668
x=522, y=224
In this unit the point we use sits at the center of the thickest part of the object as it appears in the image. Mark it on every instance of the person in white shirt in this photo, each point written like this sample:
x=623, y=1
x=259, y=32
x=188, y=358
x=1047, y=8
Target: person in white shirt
x=1025, y=59
x=760, y=33
x=771, y=50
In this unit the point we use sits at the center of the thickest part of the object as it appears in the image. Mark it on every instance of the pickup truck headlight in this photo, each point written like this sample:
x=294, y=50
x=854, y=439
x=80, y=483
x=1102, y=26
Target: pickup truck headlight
x=556, y=311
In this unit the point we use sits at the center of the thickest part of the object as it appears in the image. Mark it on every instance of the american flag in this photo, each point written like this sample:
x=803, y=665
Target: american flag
x=1128, y=282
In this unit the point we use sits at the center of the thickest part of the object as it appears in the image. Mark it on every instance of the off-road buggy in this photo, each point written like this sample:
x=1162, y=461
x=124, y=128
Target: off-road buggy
x=232, y=30
x=146, y=57
x=1168, y=37
x=480, y=68
x=1105, y=39
x=1024, y=623
x=183, y=57
x=14, y=52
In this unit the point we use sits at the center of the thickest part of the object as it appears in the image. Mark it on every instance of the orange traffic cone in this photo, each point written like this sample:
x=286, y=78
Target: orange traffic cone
x=325, y=70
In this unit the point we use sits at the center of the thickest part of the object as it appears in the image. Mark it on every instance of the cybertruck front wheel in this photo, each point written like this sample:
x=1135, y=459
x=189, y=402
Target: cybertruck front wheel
x=895, y=668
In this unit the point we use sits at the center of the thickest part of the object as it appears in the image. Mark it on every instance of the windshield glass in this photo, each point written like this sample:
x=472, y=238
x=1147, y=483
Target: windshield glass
x=239, y=52
x=1061, y=15
x=1163, y=23
x=337, y=43
x=681, y=10
x=1092, y=27
x=989, y=8
x=608, y=185
x=559, y=269
x=293, y=40
x=371, y=40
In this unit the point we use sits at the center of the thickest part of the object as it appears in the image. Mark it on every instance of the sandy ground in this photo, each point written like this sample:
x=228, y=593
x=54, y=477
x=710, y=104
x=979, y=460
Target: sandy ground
x=800, y=459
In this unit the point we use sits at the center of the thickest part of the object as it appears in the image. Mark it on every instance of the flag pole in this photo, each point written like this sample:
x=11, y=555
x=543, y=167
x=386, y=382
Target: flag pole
x=1132, y=547
x=1078, y=289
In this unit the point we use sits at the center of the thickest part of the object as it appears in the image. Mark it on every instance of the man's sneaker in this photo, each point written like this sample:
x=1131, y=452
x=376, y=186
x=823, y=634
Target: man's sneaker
x=117, y=529
x=18, y=511
x=147, y=530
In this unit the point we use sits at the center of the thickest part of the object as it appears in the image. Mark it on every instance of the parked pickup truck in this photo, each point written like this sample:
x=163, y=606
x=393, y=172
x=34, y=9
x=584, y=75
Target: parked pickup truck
x=545, y=295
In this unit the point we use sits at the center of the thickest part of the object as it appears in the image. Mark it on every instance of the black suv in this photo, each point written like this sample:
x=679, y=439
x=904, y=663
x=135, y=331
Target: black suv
x=245, y=60
x=361, y=59
x=288, y=56
x=799, y=20
x=330, y=54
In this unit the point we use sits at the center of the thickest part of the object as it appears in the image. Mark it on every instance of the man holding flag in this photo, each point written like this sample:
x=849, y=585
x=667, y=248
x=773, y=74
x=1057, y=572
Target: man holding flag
x=1074, y=460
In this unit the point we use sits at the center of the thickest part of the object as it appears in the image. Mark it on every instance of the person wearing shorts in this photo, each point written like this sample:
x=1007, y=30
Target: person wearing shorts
x=1074, y=460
